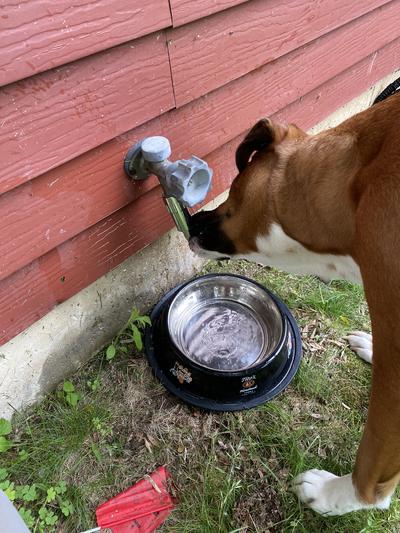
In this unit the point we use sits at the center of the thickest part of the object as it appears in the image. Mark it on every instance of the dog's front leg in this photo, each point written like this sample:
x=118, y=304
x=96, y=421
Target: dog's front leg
x=377, y=469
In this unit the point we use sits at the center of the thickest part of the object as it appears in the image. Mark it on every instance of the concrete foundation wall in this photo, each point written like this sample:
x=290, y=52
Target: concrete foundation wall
x=36, y=360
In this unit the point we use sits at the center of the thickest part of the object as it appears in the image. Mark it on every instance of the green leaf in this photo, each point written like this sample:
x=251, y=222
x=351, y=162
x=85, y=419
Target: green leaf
x=51, y=494
x=73, y=398
x=27, y=517
x=30, y=494
x=137, y=337
x=23, y=455
x=4, y=444
x=67, y=508
x=110, y=353
x=93, y=385
x=96, y=422
x=5, y=426
x=3, y=474
x=5, y=484
x=144, y=320
x=134, y=314
x=61, y=487
x=123, y=349
x=68, y=386
x=20, y=491
x=51, y=518
x=10, y=492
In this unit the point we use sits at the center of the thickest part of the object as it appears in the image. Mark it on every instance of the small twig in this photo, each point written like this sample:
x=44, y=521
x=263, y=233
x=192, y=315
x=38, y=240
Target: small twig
x=153, y=483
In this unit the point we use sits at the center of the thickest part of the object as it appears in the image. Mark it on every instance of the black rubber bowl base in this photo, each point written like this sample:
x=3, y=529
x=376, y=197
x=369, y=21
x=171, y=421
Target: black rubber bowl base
x=263, y=394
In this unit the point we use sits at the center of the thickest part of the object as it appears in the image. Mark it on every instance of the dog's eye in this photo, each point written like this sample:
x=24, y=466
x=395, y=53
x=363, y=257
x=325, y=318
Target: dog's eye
x=228, y=214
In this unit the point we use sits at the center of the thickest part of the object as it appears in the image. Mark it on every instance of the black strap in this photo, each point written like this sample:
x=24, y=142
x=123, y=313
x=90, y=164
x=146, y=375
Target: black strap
x=390, y=89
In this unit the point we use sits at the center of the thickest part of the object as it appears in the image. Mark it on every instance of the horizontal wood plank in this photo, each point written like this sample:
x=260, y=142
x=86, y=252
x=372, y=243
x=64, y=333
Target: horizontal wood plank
x=34, y=290
x=184, y=11
x=37, y=35
x=90, y=113
x=55, y=116
x=70, y=198
x=80, y=261
x=213, y=51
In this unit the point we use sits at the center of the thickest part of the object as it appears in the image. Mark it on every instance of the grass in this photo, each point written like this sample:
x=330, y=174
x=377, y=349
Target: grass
x=232, y=469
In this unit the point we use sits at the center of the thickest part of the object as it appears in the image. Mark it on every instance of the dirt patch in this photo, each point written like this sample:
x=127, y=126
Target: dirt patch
x=260, y=511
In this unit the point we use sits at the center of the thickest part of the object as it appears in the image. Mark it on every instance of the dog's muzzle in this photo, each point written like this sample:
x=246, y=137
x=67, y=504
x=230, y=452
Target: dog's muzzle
x=206, y=235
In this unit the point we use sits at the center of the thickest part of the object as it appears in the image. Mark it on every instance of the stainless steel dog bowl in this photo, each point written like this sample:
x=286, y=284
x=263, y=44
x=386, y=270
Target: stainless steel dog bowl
x=224, y=323
x=223, y=342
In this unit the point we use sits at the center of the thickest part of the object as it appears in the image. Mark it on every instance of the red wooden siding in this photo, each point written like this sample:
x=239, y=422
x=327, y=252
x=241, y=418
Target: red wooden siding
x=211, y=52
x=68, y=214
x=40, y=34
x=95, y=185
x=94, y=99
x=184, y=11
x=32, y=291
x=72, y=266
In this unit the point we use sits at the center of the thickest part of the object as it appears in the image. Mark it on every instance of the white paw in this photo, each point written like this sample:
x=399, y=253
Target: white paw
x=361, y=344
x=330, y=495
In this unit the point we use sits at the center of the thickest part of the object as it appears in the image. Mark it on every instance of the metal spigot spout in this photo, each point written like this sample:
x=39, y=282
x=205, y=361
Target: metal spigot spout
x=179, y=214
x=185, y=182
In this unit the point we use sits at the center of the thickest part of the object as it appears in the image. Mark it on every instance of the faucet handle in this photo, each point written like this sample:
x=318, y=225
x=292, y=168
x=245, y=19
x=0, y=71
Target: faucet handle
x=155, y=149
x=190, y=181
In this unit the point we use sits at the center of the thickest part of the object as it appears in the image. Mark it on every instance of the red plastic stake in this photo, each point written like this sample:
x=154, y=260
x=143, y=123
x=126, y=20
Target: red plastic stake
x=140, y=509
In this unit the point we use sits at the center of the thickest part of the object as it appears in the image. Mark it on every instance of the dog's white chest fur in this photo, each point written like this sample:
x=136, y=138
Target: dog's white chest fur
x=279, y=250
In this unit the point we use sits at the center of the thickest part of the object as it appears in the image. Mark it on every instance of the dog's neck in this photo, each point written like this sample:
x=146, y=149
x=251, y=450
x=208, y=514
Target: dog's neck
x=313, y=201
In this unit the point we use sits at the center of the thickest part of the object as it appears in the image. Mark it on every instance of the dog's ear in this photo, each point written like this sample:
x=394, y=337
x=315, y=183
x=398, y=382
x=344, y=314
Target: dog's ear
x=259, y=137
x=262, y=135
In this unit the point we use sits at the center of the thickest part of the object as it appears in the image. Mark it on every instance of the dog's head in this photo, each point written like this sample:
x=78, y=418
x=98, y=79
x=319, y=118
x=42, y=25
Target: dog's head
x=233, y=227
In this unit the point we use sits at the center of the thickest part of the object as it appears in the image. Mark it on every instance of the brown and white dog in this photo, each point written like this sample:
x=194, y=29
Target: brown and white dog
x=329, y=205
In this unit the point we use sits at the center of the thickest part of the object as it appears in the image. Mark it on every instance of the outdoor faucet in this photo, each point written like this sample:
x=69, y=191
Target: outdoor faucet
x=185, y=182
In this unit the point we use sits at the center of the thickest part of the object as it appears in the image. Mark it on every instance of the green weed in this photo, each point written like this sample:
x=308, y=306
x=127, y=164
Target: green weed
x=130, y=333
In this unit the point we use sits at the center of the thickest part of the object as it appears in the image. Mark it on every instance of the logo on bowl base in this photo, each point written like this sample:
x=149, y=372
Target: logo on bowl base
x=181, y=373
x=248, y=385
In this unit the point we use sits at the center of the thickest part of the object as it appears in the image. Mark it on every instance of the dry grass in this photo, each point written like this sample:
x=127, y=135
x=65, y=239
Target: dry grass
x=232, y=469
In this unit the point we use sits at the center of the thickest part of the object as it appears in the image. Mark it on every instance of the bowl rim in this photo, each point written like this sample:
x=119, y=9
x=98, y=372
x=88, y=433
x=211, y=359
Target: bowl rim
x=265, y=357
x=281, y=308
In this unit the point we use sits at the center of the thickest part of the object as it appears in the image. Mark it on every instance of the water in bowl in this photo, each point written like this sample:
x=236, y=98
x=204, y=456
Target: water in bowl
x=223, y=335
